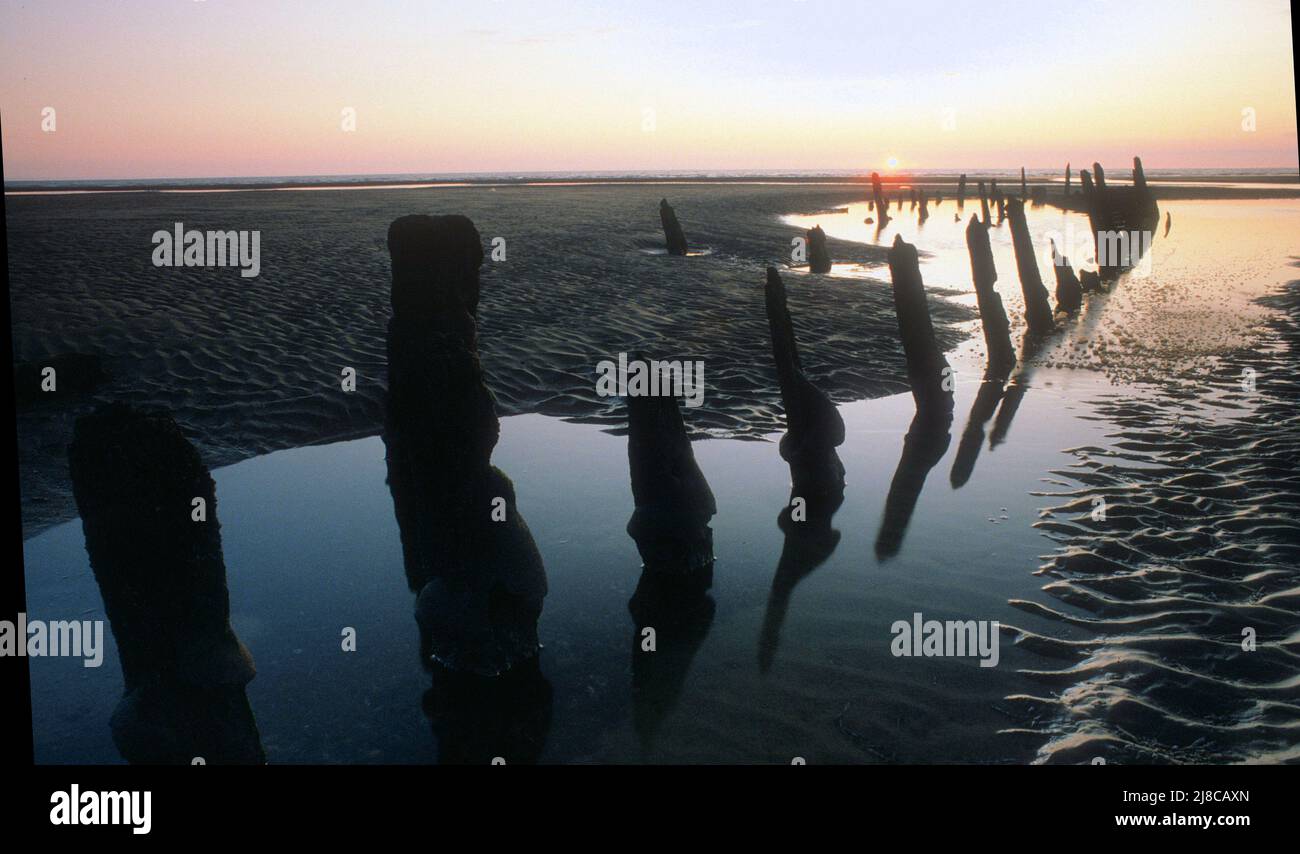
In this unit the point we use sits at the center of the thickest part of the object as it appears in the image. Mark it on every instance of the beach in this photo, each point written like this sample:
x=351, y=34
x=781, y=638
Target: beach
x=584, y=277
x=1117, y=631
x=251, y=365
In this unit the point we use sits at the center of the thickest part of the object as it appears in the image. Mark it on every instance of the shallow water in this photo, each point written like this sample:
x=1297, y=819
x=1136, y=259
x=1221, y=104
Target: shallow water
x=941, y=239
x=311, y=547
x=1191, y=300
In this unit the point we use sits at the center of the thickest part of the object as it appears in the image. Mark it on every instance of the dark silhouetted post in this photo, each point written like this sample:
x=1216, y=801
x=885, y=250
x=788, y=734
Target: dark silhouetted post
x=819, y=258
x=467, y=550
x=813, y=424
x=927, y=369
x=1069, y=293
x=993, y=317
x=673, y=235
x=1038, y=312
x=149, y=512
x=673, y=501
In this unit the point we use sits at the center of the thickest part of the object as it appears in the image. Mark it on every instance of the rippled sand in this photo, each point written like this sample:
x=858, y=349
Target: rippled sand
x=253, y=365
x=1159, y=598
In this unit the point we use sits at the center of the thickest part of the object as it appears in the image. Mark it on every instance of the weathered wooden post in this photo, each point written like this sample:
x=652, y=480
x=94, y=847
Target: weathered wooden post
x=149, y=512
x=993, y=317
x=927, y=369
x=673, y=235
x=1038, y=312
x=814, y=428
x=819, y=257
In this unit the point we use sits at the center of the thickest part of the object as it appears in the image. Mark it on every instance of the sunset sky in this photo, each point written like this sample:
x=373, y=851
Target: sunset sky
x=179, y=88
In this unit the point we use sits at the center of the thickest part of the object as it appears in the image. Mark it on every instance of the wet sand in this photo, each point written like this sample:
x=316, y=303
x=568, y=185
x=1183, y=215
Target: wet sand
x=252, y=365
x=249, y=366
x=1176, y=612
x=1122, y=635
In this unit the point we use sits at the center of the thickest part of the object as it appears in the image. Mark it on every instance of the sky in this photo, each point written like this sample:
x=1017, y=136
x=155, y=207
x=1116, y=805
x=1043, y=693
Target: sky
x=224, y=88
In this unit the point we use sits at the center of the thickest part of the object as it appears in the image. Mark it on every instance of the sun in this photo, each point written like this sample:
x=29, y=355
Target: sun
x=892, y=163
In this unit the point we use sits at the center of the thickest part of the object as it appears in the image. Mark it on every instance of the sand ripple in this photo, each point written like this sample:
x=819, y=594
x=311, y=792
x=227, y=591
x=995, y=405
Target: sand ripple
x=248, y=366
x=1200, y=542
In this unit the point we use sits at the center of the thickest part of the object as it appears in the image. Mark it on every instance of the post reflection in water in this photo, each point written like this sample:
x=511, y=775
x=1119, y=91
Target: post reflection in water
x=972, y=438
x=480, y=719
x=671, y=608
x=672, y=615
x=809, y=542
x=815, y=430
x=1030, y=346
x=924, y=445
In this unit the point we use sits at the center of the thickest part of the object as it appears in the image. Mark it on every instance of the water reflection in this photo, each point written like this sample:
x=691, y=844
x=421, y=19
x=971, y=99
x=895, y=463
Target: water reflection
x=942, y=241
x=671, y=608
x=972, y=438
x=1030, y=346
x=809, y=542
x=672, y=615
x=924, y=445
x=480, y=719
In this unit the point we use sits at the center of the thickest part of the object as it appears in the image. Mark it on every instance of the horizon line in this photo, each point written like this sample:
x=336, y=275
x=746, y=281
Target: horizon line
x=829, y=171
